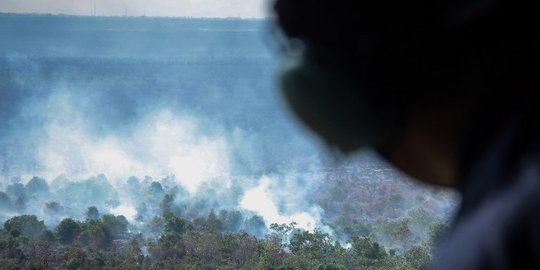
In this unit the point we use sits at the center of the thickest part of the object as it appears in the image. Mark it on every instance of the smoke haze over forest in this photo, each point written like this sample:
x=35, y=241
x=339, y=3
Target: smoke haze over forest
x=125, y=107
x=120, y=113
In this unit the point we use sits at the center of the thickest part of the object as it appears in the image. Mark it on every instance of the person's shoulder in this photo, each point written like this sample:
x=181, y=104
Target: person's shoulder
x=503, y=231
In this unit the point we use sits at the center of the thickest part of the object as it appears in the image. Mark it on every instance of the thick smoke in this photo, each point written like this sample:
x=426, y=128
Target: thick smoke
x=207, y=115
x=119, y=112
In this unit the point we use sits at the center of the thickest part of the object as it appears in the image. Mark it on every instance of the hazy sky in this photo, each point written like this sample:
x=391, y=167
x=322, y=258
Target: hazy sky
x=177, y=8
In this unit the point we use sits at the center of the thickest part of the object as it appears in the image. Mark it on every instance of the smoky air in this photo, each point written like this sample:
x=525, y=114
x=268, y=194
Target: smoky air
x=152, y=127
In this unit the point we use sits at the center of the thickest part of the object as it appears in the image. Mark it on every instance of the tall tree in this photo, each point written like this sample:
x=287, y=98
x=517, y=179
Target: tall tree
x=67, y=231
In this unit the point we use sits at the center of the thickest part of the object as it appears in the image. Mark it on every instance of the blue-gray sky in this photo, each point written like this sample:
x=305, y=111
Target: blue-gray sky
x=174, y=8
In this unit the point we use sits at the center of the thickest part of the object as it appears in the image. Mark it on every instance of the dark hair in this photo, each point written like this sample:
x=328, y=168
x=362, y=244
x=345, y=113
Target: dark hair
x=405, y=55
x=424, y=47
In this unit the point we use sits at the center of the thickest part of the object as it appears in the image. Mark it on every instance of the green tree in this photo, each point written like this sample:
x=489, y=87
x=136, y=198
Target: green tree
x=48, y=236
x=255, y=225
x=283, y=229
x=95, y=260
x=272, y=252
x=330, y=266
x=132, y=257
x=366, y=248
x=199, y=222
x=94, y=234
x=53, y=208
x=213, y=223
x=92, y=213
x=231, y=220
x=116, y=226
x=175, y=225
x=156, y=189
x=67, y=231
x=166, y=203
x=74, y=263
x=156, y=225
x=316, y=245
x=37, y=185
x=418, y=257
x=27, y=225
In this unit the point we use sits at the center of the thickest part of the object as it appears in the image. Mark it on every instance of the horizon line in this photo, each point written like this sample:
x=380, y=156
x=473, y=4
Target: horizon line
x=134, y=16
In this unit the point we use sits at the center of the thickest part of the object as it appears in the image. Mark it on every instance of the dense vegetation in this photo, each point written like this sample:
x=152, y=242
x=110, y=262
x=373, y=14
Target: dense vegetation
x=179, y=235
x=106, y=243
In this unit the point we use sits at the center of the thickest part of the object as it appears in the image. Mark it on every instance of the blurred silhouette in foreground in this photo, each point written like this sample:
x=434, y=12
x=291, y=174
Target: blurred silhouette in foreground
x=444, y=90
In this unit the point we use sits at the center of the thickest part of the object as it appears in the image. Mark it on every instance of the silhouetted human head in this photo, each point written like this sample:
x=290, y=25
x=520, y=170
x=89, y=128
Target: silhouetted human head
x=409, y=78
